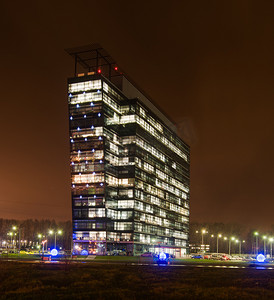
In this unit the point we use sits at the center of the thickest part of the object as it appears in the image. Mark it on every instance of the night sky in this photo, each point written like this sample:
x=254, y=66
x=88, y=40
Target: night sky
x=208, y=65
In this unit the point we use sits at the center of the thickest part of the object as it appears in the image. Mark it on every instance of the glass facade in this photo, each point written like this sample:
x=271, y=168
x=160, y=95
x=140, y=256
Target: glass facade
x=129, y=173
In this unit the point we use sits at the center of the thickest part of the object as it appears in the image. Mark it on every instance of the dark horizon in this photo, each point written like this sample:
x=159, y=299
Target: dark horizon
x=208, y=67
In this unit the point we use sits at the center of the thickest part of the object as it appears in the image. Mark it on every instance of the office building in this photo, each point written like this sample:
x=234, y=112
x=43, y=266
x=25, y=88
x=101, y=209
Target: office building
x=129, y=168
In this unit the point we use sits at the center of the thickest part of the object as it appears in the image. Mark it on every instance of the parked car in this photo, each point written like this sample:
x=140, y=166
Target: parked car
x=147, y=254
x=197, y=256
x=118, y=252
x=225, y=257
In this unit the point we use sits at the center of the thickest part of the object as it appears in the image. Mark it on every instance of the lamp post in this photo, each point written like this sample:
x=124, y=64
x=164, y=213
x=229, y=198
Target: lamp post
x=218, y=236
x=229, y=246
x=14, y=228
x=15, y=231
x=212, y=236
x=10, y=234
x=39, y=240
x=202, y=245
x=271, y=240
x=256, y=233
x=55, y=234
x=264, y=238
x=238, y=242
x=240, y=245
x=225, y=238
x=203, y=232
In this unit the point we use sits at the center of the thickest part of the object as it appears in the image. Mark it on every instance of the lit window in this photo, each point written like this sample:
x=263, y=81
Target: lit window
x=85, y=86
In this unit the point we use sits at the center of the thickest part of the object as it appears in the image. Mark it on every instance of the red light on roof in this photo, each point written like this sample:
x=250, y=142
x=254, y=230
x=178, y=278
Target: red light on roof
x=116, y=68
x=99, y=71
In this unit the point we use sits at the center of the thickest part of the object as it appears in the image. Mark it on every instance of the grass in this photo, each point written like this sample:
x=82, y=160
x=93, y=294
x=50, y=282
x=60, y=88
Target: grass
x=127, y=259
x=90, y=280
x=19, y=256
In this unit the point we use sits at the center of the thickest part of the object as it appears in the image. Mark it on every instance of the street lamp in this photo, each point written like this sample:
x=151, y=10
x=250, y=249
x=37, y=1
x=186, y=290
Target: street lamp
x=39, y=240
x=264, y=238
x=203, y=232
x=17, y=230
x=225, y=238
x=229, y=244
x=271, y=240
x=212, y=236
x=243, y=242
x=10, y=234
x=240, y=245
x=256, y=233
x=55, y=234
x=218, y=236
x=14, y=228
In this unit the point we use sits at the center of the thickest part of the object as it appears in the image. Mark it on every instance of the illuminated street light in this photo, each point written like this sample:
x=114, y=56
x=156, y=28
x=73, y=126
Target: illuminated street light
x=271, y=241
x=218, y=236
x=10, y=234
x=203, y=232
x=229, y=244
x=14, y=228
x=225, y=238
x=39, y=240
x=256, y=233
x=55, y=234
x=264, y=238
x=17, y=231
x=240, y=245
